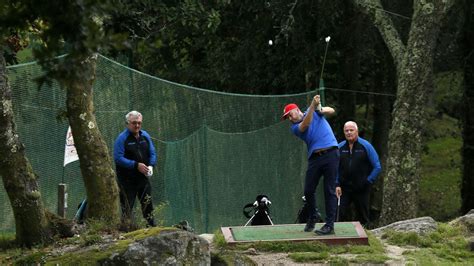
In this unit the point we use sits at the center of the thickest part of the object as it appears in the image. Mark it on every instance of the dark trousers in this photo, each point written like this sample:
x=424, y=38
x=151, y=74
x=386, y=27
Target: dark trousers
x=132, y=188
x=360, y=199
x=324, y=165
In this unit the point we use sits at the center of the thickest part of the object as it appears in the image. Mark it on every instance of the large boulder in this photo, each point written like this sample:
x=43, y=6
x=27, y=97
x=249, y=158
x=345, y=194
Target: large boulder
x=166, y=248
x=466, y=221
x=421, y=226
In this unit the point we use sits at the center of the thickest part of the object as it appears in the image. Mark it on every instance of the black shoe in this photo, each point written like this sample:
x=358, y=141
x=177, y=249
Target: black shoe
x=325, y=230
x=309, y=225
x=151, y=223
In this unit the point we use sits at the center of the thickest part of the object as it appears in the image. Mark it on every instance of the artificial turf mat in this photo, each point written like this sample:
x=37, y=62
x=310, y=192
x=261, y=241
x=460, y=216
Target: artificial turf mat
x=343, y=232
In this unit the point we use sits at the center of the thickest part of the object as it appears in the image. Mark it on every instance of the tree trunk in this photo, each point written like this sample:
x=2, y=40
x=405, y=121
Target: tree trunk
x=95, y=160
x=19, y=180
x=415, y=82
x=467, y=184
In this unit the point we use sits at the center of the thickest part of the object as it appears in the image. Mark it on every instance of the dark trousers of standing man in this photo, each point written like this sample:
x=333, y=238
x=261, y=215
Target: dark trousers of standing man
x=327, y=165
x=360, y=198
x=132, y=188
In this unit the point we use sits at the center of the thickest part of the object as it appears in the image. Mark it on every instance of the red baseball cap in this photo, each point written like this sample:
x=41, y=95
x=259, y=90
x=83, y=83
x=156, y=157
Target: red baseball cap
x=288, y=109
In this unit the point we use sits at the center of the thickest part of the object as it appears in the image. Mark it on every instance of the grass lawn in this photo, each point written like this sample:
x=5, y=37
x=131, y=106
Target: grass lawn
x=441, y=171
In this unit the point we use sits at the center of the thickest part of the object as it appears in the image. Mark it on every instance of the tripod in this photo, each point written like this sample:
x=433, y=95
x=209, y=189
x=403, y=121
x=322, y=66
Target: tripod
x=257, y=212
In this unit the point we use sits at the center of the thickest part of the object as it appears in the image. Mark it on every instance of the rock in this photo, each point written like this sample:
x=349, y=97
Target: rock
x=224, y=258
x=165, y=248
x=471, y=244
x=208, y=237
x=422, y=225
x=466, y=221
x=184, y=225
x=60, y=226
x=251, y=251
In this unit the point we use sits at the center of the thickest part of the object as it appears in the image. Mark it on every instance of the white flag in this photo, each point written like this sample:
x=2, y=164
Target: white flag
x=70, y=153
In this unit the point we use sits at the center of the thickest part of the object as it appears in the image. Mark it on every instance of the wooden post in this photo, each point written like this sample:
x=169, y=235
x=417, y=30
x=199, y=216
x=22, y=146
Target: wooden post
x=62, y=200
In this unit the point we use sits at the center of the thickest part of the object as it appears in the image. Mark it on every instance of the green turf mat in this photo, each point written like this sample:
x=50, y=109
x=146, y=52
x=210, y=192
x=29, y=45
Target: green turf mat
x=289, y=231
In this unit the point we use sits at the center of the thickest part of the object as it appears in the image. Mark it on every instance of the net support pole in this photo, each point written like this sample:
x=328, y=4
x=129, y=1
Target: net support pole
x=62, y=200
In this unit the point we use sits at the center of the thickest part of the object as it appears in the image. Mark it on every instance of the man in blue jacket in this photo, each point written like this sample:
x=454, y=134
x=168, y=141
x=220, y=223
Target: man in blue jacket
x=135, y=156
x=323, y=159
x=358, y=169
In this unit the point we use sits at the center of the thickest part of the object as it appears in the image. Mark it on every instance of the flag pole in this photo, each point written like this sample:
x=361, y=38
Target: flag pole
x=62, y=178
x=69, y=151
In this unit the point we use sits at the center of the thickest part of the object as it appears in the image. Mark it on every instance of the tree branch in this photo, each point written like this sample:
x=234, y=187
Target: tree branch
x=373, y=8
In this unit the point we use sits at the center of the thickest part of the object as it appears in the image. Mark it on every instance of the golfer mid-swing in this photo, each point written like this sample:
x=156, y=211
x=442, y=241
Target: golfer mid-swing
x=323, y=158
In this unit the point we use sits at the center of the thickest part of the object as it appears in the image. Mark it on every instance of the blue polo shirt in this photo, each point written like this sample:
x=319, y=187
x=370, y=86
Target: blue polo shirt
x=318, y=135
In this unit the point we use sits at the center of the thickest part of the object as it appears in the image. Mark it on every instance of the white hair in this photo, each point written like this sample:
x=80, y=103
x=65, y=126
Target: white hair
x=132, y=114
x=351, y=123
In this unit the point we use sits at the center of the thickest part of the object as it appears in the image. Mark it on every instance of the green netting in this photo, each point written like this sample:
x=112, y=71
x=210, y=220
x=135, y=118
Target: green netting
x=216, y=151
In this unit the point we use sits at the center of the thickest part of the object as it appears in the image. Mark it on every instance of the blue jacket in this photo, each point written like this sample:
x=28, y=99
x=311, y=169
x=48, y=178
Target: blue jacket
x=128, y=152
x=359, y=167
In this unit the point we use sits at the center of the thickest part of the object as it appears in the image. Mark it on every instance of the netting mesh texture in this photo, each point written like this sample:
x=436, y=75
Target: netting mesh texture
x=216, y=151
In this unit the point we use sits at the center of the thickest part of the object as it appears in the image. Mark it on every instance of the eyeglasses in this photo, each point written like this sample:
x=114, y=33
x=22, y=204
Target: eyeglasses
x=136, y=123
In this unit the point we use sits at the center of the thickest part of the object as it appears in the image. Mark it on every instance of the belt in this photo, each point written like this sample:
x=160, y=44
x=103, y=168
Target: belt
x=320, y=152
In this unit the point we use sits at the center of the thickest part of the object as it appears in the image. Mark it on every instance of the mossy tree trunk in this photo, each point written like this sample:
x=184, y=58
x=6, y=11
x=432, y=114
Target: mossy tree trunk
x=19, y=180
x=95, y=161
x=467, y=184
x=414, y=63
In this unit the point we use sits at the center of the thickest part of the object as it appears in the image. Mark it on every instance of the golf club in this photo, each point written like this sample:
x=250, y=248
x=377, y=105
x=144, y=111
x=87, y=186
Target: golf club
x=321, y=81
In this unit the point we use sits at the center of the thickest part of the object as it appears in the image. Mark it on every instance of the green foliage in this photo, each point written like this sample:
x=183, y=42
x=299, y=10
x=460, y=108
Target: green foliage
x=343, y=255
x=309, y=256
x=441, y=164
x=159, y=214
x=95, y=226
x=72, y=27
x=219, y=239
x=224, y=45
x=407, y=239
x=446, y=245
x=90, y=239
x=370, y=258
x=37, y=258
x=143, y=233
x=439, y=256
x=448, y=93
x=167, y=34
x=7, y=241
x=90, y=257
x=229, y=257
x=439, y=195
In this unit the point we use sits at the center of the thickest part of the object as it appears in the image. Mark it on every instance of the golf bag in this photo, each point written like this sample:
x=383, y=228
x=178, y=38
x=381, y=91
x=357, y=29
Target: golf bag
x=260, y=210
x=302, y=216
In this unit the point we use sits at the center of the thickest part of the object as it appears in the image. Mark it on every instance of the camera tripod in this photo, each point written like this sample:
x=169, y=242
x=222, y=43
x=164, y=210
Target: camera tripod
x=256, y=212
